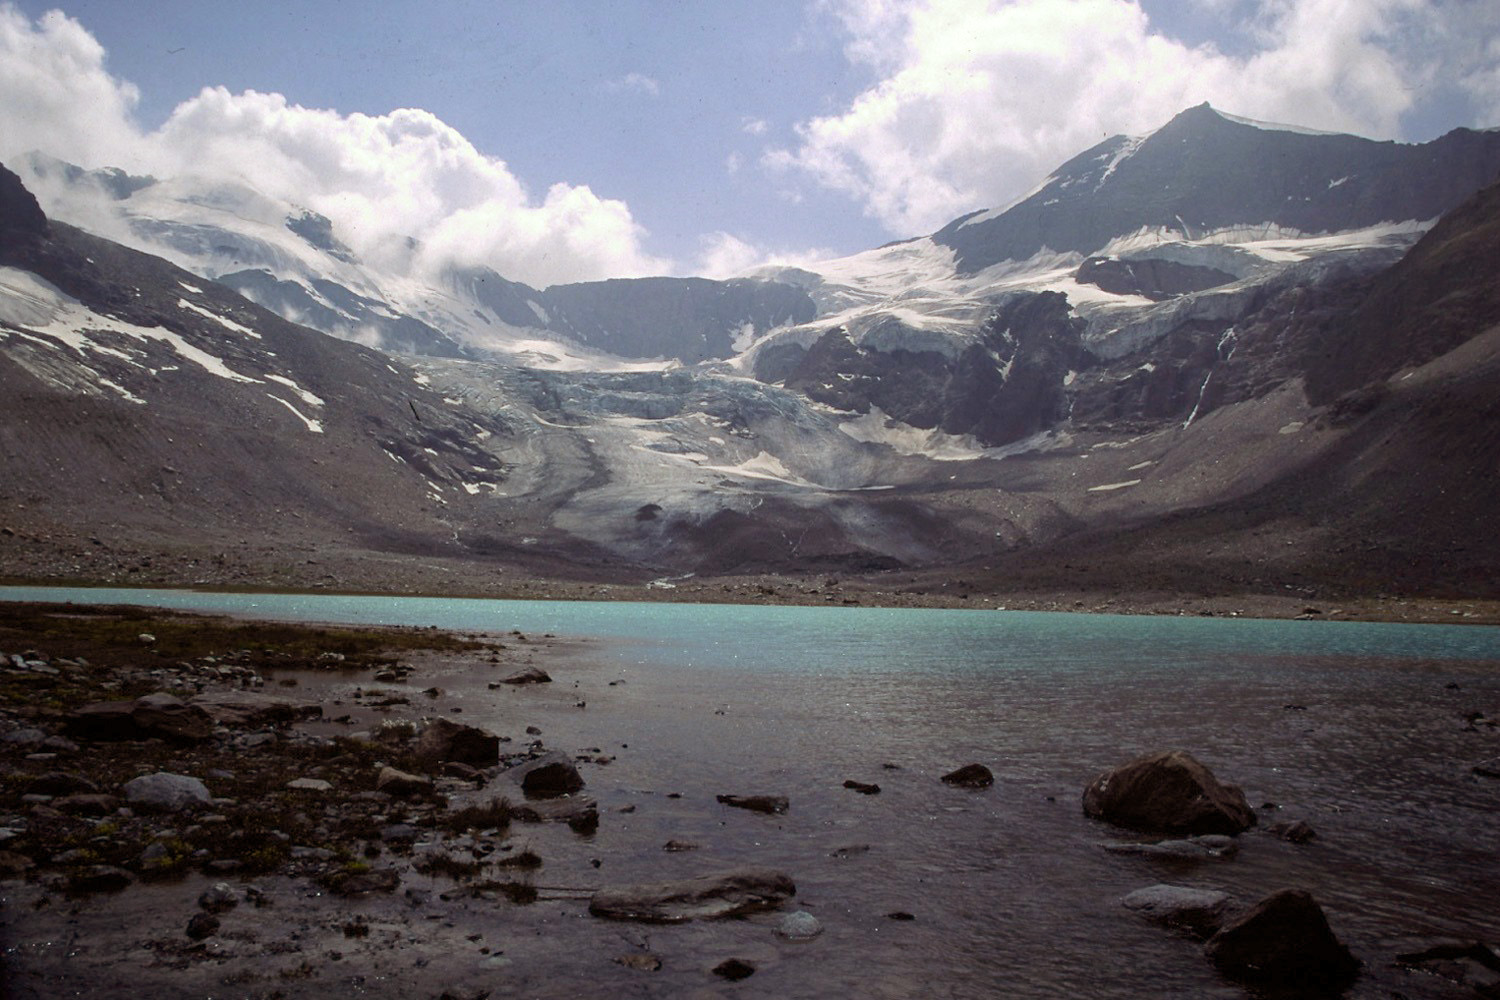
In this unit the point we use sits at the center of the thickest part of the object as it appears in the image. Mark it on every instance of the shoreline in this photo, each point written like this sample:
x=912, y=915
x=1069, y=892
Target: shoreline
x=792, y=591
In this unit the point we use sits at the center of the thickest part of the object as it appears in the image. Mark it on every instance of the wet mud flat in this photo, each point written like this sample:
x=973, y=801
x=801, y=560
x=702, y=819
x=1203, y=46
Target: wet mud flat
x=336, y=852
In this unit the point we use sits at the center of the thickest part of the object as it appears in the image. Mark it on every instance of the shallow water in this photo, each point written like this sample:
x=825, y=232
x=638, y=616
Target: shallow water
x=1012, y=894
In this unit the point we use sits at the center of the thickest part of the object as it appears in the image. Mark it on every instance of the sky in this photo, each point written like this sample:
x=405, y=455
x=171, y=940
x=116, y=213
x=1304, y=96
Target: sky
x=570, y=140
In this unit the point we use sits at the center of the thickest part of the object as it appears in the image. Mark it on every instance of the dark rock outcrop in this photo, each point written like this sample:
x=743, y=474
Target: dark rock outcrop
x=1284, y=940
x=20, y=215
x=1167, y=792
x=723, y=894
x=1150, y=277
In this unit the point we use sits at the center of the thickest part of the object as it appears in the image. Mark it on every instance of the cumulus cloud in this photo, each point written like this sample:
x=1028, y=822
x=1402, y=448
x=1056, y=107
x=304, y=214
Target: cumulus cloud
x=754, y=126
x=380, y=178
x=975, y=102
x=725, y=255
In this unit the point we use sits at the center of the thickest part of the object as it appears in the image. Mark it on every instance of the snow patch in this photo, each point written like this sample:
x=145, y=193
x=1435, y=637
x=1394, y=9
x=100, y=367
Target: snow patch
x=228, y=324
x=28, y=301
x=307, y=397
x=315, y=426
x=1107, y=487
x=184, y=284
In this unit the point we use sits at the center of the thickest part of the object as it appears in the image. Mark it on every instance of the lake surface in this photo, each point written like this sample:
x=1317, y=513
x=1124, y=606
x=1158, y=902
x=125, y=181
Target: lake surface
x=1358, y=729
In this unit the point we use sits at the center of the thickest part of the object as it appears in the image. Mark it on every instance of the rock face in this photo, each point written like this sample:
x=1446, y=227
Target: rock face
x=20, y=215
x=706, y=897
x=1149, y=277
x=1167, y=792
x=1198, y=911
x=1284, y=939
x=443, y=741
x=172, y=792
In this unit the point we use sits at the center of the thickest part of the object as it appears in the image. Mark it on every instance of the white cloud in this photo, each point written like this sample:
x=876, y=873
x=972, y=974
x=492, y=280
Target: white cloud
x=725, y=255
x=638, y=83
x=380, y=178
x=754, y=126
x=975, y=102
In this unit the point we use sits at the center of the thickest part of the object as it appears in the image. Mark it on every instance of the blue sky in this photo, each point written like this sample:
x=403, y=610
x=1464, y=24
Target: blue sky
x=707, y=136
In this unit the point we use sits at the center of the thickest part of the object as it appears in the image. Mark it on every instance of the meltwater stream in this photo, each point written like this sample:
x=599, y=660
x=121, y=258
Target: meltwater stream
x=1358, y=729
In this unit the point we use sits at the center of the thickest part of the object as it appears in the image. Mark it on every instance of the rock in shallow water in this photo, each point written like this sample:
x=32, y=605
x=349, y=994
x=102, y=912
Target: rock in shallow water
x=970, y=776
x=1167, y=792
x=799, y=926
x=706, y=897
x=775, y=804
x=1197, y=911
x=1284, y=940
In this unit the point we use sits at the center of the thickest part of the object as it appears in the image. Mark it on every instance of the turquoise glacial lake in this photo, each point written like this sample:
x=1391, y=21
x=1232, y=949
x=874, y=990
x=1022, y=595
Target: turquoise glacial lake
x=1361, y=730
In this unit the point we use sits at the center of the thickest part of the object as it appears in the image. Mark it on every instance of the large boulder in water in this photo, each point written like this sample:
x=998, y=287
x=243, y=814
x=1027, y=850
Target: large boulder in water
x=443, y=741
x=724, y=894
x=1284, y=940
x=1167, y=792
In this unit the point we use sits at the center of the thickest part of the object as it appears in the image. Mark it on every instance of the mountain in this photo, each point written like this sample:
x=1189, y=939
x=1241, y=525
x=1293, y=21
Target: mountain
x=1261, y=409
x=291, y=260
x=1207, y=173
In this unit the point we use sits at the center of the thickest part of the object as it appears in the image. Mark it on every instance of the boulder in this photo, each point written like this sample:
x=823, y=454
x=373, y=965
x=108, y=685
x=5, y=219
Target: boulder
x=1209, y=845
x=61, y=783
x=774, y=804
x=170, y=718
x=863, y=788
x=1167, y=792
x=531, y=675
x=98, y=878
x=706, y=897
x=579, y=812
x=799, y=926
x=161, y=716
x=1200, y=912
x=251, y=709
x=734, y=969
x=171, y=792
x=1283, y=940
x=443, y=741
x=548, y=776
x=970, y=776
x=1467, y=962
x=202, y=925
x=1297, y=832
x=86, y=804
x=397, y=782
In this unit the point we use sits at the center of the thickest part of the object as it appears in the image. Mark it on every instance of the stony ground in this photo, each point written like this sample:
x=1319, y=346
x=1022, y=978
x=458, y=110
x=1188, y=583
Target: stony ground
x=215, y=775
